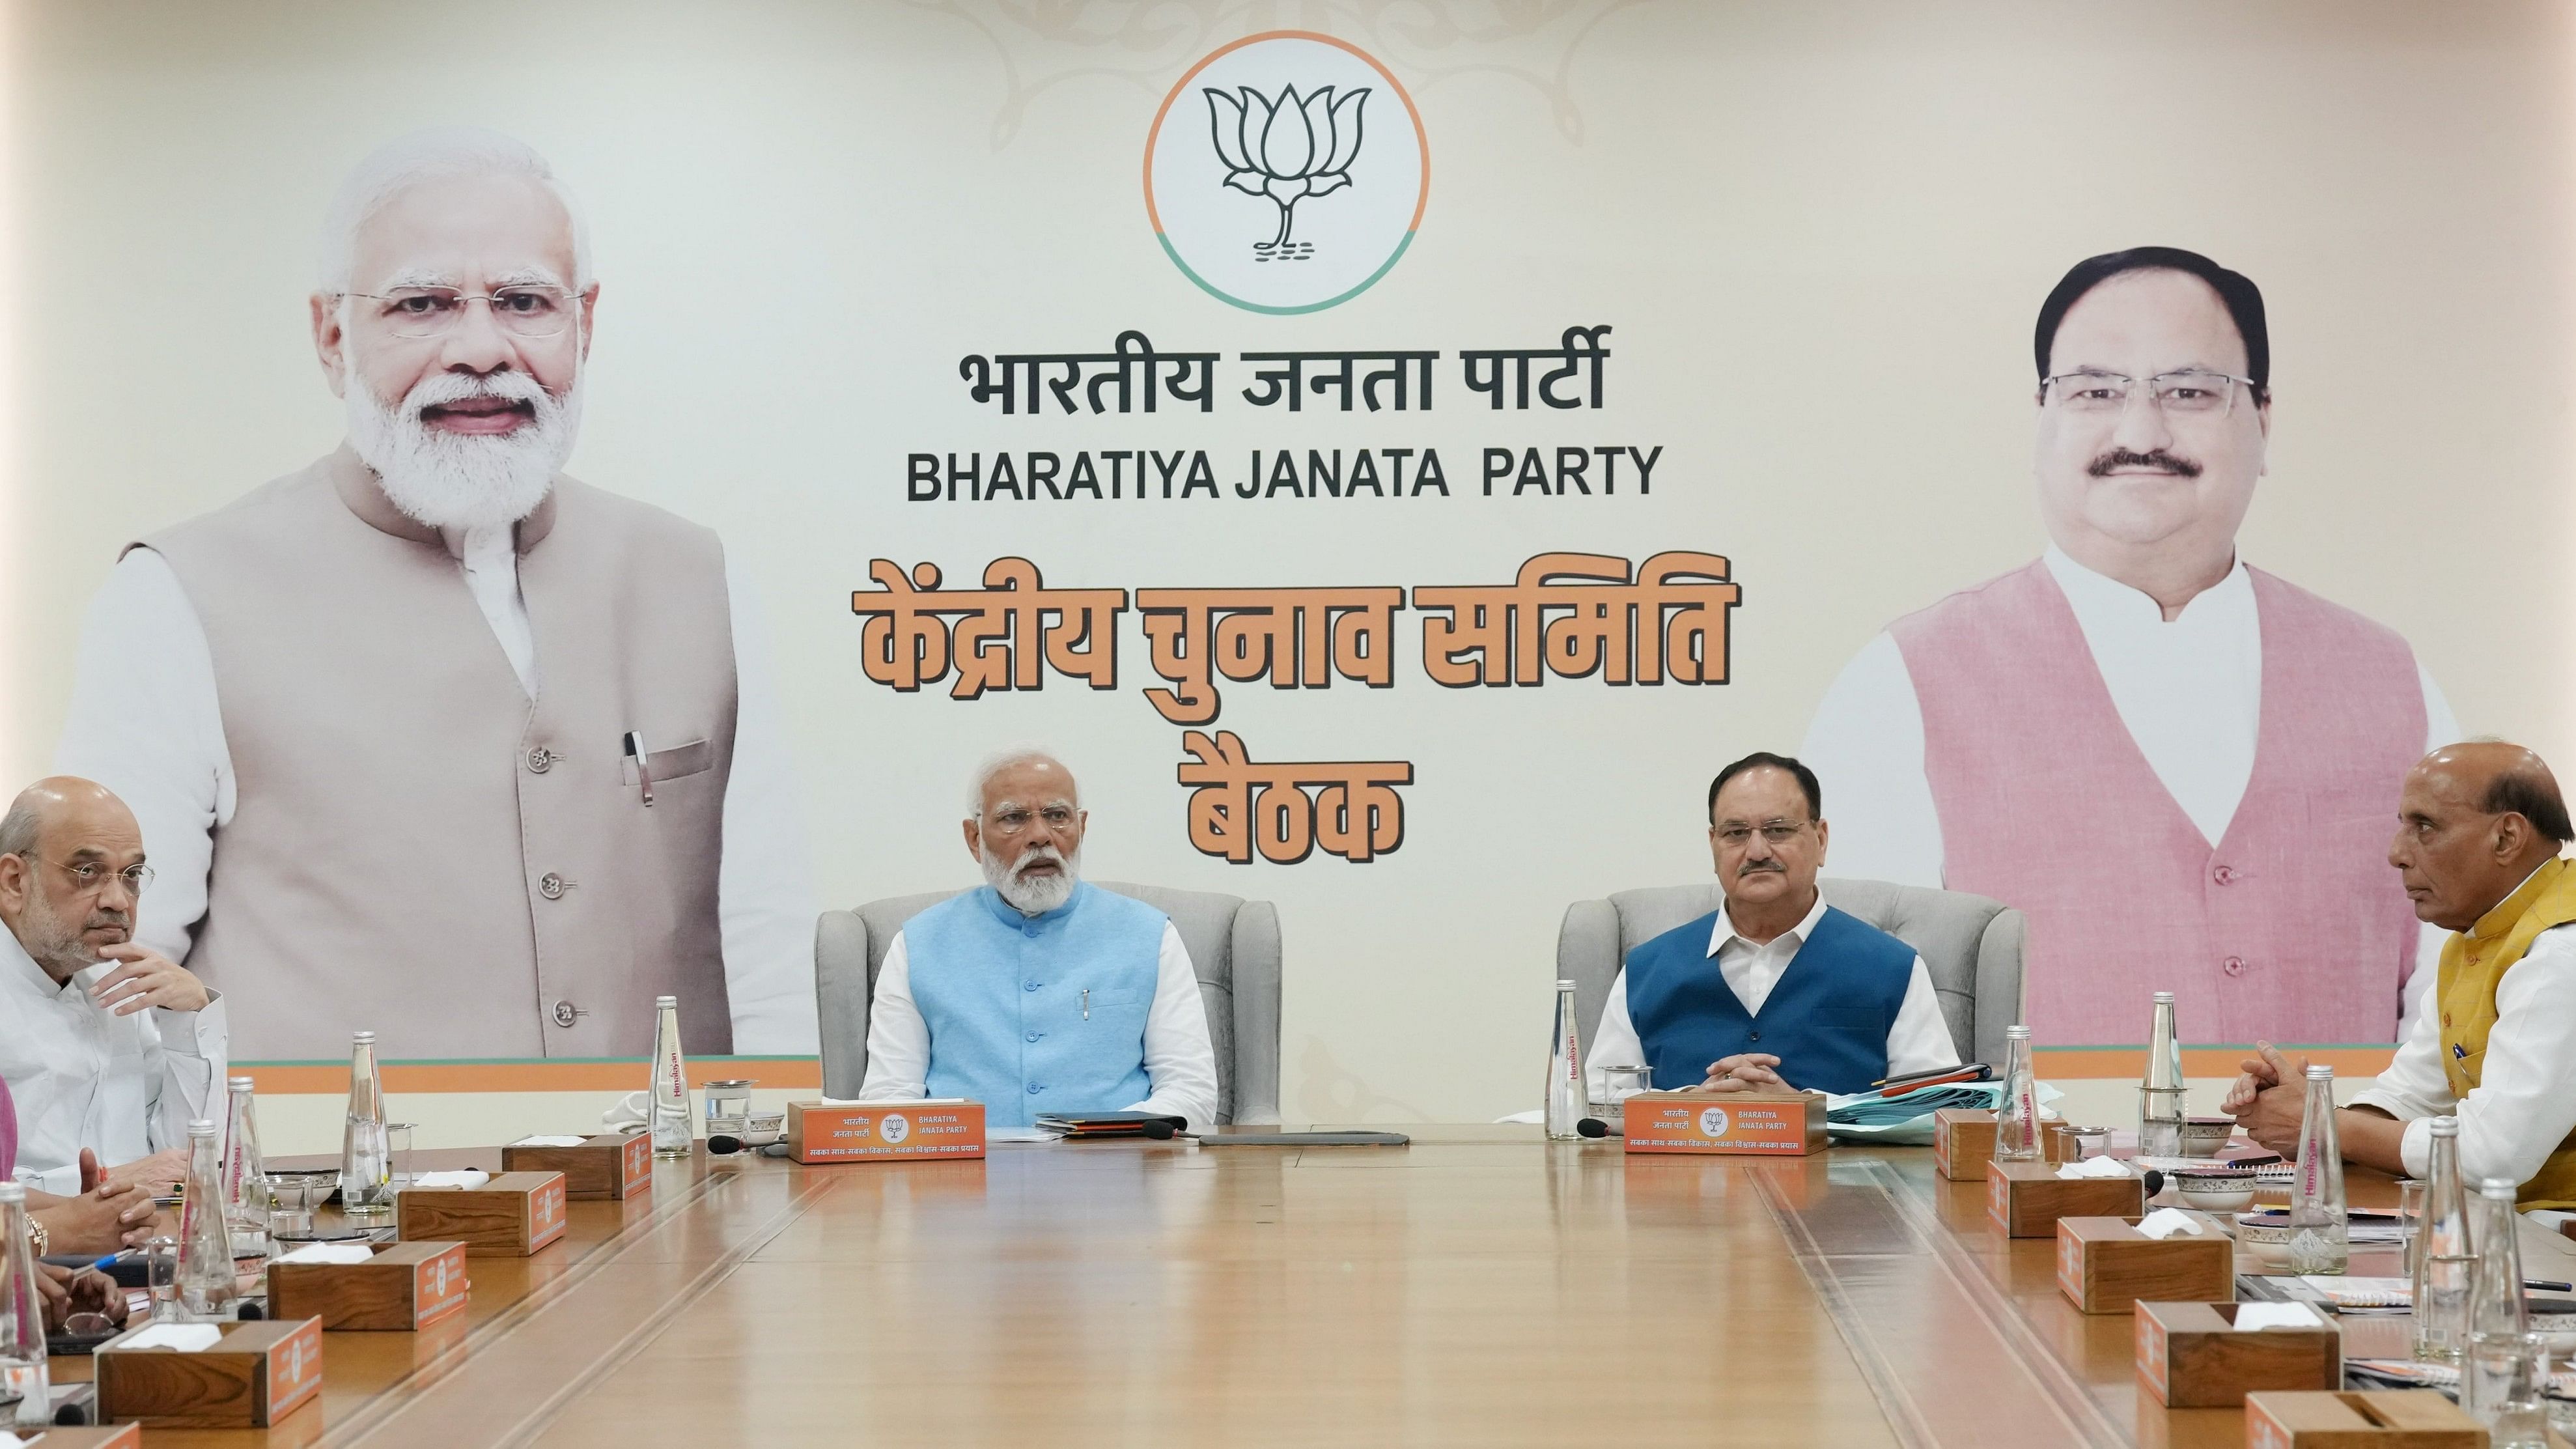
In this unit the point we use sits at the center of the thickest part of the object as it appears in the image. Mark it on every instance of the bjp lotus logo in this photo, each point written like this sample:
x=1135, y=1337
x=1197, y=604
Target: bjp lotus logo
x=1287, y=150
x=1286, y=114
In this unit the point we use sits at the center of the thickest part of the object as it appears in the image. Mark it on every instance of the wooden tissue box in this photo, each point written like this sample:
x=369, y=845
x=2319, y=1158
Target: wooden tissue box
x=120, y=1436
x=610, y=1167
x=261, y=1372
x=2190, y=1356
x=1963, y=1142
x=510, y=1216
x=1759, y=1124
x=2026, y=1199
x=2105, y=1265
x=405, y=1287
x=2395, y=1419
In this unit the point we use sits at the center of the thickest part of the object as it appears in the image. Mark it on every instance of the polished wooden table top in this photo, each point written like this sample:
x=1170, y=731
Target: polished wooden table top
x=1480, y=1287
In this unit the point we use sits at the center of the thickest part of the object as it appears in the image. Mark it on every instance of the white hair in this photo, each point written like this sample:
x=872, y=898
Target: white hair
x=428, y=155
x=1000, y=760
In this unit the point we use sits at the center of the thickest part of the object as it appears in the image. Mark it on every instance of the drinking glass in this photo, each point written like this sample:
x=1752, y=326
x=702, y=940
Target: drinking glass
x=2507, y=1385
x=290, y=1205
x=161, y=1277
x=2410, y=1218
x=1618, y=1084
x=728, y=1107
x=398, y=1148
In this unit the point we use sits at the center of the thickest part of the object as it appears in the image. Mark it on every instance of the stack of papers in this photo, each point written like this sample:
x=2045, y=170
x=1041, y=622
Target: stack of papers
x=1872, y=1110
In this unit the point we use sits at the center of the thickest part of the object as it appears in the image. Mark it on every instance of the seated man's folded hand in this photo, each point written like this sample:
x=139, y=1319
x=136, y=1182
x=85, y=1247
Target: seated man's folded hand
x=163, y=1170
x=1747, y=1072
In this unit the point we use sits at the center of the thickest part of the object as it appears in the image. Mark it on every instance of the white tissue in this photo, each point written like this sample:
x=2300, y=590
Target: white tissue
x=2165, y=1222
x=2251, y=1317
x=469, y=1177
x=549, y=1141
x=179, y=1337
x=329, y=1253
x=2095, y=1167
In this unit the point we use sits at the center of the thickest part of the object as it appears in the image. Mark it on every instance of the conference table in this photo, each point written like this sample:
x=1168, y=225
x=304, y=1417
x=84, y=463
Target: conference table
x=1479, y=1287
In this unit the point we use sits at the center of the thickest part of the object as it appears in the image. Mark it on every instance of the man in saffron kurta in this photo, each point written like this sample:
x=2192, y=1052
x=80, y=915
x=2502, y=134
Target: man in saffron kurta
x=2175, y=764
x=2479, y=831
x=1037, y=993
x=1775, y=989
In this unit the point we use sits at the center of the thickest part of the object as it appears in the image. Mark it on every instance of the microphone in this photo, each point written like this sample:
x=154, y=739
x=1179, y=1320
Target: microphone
x=1162, y=1131
x=1592, y=1127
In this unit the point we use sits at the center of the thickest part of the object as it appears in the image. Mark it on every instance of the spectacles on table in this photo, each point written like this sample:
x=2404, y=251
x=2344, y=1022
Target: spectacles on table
x=2184, y=390
x=425, y=312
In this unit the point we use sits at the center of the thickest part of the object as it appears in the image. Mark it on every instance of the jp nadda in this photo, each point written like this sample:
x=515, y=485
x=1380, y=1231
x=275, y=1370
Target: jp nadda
x=1774, y=989
x=1037, y=992
x=428, y=737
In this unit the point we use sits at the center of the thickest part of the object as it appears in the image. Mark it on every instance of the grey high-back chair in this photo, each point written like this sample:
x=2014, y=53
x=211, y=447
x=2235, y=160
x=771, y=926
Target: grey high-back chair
x=1971, y=946
x=1233, y=945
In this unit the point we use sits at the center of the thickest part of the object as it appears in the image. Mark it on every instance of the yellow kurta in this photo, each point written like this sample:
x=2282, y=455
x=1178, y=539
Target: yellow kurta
x=2473, y=965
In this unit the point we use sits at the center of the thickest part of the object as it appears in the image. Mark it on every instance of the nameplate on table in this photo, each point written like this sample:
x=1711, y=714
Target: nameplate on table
x=1757, y=1124
x=510, y=1216
x=937, y=1127
x=610, y=1167
x=2193, y=1356
x=400, y=1288
x=252, y=1376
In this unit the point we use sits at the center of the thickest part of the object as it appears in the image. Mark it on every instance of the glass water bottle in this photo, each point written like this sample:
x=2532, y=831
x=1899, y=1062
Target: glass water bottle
x=1565, y=1093
x=2444, y=1263
x=2320, y=1240
x=245, y=1179
x=2160, y=1092
x=2497, y=1319
x=2017, y=1124
x=366, y=1168
x=207, y=1288
x=671, y=1127
x=23, y=1380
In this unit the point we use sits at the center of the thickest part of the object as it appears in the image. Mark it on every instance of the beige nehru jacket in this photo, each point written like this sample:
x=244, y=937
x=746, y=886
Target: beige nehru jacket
x=419, y=849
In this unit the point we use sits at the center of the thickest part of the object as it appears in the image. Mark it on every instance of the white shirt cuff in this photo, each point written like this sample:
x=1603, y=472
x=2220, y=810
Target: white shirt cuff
x=2415, y=1149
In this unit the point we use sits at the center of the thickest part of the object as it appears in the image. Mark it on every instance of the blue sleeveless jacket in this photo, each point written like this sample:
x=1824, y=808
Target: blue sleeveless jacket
x=1826, y=1019
x=1003, y=996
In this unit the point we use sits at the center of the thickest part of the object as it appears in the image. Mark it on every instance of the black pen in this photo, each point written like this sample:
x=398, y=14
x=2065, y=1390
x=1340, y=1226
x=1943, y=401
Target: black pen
x=2545, y=1285
x=643, y=771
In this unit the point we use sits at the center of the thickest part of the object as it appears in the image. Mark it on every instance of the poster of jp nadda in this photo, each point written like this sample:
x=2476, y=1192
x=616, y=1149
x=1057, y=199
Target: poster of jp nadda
x=530, y=504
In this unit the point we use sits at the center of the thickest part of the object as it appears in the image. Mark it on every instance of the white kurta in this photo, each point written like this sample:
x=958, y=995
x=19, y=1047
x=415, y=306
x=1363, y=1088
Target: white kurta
x=123, y=1086
x=1918, y=1042
x=1180, y=1062
x=2190, y=691
x=2524, y=1104
x=145, y=722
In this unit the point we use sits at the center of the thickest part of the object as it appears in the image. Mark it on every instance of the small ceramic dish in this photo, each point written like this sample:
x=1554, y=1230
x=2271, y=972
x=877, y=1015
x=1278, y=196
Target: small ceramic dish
x=2206, y=1136
x=2214, y=1192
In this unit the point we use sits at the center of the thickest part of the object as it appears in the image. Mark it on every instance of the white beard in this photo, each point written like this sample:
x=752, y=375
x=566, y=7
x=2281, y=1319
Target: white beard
x=1033, y=896
x=456, y=480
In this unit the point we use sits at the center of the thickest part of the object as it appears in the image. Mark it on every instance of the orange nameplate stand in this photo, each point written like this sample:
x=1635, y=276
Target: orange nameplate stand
x=932, y=1127
x=511, y=1216
x=406, y=1286
x=2190, y=1356
x=2399, y=1419
x=258, y=1374
x=1755, y=1124
x=1963, y=1139
x=609, y=1167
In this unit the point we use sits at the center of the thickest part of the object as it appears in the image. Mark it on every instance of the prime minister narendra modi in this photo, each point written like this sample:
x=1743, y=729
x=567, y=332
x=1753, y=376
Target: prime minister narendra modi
x=428, y=737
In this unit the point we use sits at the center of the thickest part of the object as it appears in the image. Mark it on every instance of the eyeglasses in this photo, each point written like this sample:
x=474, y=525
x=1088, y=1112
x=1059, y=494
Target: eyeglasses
x=1736, y=837
x=425, y=312
x=1058, y=818
x=93, y=877
x=2187, y=390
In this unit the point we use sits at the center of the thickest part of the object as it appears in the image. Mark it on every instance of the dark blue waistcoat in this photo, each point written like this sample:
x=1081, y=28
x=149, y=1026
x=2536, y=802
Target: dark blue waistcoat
x=1826, y=1019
